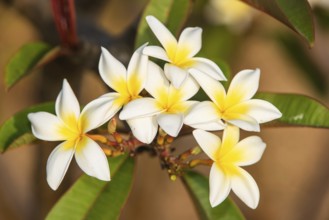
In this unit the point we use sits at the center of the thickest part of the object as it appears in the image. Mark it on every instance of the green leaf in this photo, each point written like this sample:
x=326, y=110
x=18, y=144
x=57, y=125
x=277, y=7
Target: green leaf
x=16, y=131
x=198, y=188
x=28, y=57
x=90, y=198
x=298, y=110
x=170, y=12
x=296, y=14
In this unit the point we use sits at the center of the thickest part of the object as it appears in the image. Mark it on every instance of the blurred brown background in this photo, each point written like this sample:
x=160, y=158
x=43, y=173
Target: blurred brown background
x=293, y=175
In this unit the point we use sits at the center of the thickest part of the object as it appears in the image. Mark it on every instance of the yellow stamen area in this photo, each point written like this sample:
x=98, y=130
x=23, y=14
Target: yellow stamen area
x=72, y=130
x=171, y=101
x=179, y=56
x=128, y=90
x=231, y=105
x=227, y=155
x=134, y=85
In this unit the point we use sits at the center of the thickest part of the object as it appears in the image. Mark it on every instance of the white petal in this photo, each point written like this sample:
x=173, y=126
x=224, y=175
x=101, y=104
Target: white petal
x=139, y=108
x=171, y=123
x=156, y=80
x=245, y=122
x=67, y=104
x=231, y=137
x=45, y=126
x=111, y=70
x=212, y=88
x=92, y=160
x=209, y=142
x=208, y=67
x=157, y=52
x=244, y=85
x=261, y=110
x=175, y=74
x=219, y=185
x=187, y=90
x=250, y=150
x=137, y=71
x=202, y=112
x=210, y=126
x=190, y=41
x=245, y=187
x=165, y=37
x=99, y=111
x=58, y=163
x=144, y=129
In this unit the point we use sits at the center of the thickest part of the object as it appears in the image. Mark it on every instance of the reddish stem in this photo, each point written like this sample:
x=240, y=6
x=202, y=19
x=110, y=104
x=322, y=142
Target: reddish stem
x=64, y=17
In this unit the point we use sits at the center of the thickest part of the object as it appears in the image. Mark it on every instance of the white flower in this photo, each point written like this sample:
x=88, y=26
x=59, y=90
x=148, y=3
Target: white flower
x=71, y=126
x=235, y=14
x=235, y=106
x=167, y=108
x=228, y=156
x=127, y=83
x=180, y=55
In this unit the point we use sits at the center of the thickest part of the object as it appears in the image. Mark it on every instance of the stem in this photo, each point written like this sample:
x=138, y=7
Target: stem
x=64, y=18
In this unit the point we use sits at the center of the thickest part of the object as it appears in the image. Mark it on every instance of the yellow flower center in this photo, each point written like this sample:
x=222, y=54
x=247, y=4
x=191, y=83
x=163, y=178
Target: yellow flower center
x=179, y=56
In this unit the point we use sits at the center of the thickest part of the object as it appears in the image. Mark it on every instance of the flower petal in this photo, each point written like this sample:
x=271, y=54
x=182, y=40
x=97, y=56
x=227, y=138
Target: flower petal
x=157, y=52
x=175, y=74
x=157, y=82
x=187, y=90
x=243, y=86
x=245, y=187
x=260, y=110
x=140, y=108
x=167, y=40
x=202, y=112
x=144, y=129
x=231, y=137
x=137, y=71
x=171, y=123
x=244, y=122
x=58, y=163
x=92, y=160
x=99, y=111
x=46, y=126
x=189, y=42
x=250, y=150
x=67, y=105
x=112, y=70
x=219, y=185
x=209, y=142
x=212, y=88
x=208, y=67
x=210, y=126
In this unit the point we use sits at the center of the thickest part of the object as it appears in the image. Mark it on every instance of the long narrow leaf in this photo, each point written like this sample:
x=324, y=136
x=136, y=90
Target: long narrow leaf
x=27, y=58
x=16, y=131
x=298, y=110
x=90, y=198
x=296, y=14
x=198, y=188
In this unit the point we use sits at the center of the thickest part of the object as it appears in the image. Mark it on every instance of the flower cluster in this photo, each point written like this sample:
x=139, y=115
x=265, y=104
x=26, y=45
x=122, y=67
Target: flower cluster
x=165, y=104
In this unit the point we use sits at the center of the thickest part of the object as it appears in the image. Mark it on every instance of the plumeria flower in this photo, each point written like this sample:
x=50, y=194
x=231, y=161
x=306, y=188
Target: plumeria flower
x=127, y=84
x=235, y=14
x=235, y=106
x=71, y=126
x=180, y=55
x=228, y=156
x=168, y=106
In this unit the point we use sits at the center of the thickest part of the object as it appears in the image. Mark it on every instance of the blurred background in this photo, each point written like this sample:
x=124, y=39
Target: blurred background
x=293, y=175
